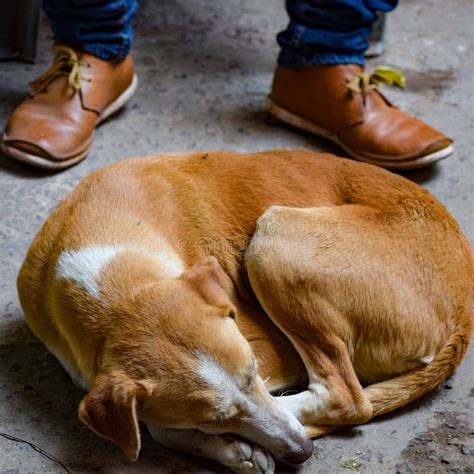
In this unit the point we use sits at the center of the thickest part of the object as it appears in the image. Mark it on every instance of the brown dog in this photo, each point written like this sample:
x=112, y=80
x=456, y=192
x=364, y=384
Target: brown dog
x=178, y=290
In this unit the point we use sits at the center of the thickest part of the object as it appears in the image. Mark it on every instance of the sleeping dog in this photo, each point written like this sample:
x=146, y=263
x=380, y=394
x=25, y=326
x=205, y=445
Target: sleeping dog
x=183, y=289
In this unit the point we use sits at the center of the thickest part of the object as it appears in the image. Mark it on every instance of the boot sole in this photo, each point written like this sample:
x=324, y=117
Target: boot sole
x=303, y=124
x=41, y=162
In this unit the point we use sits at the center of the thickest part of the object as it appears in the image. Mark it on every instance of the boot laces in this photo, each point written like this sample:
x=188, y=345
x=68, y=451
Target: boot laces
x=66, y=63
x=363, y=83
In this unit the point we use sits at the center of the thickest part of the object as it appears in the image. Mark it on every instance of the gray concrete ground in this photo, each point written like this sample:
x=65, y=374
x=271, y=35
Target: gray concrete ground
x=205, y=68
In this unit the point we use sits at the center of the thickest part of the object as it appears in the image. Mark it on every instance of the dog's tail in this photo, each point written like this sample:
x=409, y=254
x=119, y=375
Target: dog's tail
x=394, y=393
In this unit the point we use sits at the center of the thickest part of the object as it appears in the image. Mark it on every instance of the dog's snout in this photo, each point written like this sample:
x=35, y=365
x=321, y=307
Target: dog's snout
x=302, y=454
x=274, y=427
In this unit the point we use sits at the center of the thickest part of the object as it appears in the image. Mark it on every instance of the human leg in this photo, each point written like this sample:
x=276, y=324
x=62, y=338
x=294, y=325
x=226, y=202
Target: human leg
x=91, y=78
x=320, y=86
x=102, y=28
x=328, y=32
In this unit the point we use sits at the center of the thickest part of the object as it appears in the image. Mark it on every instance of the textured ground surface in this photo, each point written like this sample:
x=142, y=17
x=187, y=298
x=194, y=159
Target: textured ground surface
x=205, y=68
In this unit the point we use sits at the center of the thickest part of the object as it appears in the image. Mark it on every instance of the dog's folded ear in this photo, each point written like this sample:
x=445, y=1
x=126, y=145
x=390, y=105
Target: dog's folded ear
x=211, y=280
x=109, y=410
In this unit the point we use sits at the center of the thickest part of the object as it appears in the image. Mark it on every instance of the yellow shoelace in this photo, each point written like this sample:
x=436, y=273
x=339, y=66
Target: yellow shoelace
x=66, y=64
x=364, y=82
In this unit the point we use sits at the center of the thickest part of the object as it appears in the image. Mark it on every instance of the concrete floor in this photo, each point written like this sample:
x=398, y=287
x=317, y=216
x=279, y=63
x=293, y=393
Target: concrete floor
x=205, y=68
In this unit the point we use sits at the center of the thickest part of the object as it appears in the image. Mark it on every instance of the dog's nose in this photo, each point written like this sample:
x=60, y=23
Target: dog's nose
x=300, y=456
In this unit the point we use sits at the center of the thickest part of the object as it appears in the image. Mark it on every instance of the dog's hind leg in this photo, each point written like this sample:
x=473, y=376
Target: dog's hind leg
x=341, y=284
x=283, y=273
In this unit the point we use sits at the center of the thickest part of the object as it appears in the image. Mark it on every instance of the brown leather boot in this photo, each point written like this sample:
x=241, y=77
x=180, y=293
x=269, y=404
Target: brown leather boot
x=343, y=103
x=54, y=127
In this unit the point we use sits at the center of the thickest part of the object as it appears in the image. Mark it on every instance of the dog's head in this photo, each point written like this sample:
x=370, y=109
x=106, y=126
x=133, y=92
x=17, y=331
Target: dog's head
x=187, y=366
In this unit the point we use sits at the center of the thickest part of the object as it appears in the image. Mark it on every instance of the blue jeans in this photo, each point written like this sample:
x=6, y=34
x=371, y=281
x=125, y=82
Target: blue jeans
x=100, y=27
x=328, y=31
x=320, y=31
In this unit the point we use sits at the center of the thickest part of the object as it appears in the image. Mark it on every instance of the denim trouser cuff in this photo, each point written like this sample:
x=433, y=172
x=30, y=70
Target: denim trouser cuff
x=100, y=27
x=296, y=61
x=328, y=31
x=108, y=52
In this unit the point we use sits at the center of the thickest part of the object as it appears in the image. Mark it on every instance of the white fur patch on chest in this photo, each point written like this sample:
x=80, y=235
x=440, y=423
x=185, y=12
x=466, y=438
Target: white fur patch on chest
x=84, y=266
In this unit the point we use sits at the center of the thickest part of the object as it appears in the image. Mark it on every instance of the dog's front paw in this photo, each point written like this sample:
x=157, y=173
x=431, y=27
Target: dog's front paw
x=241, y=457
x=262, y=461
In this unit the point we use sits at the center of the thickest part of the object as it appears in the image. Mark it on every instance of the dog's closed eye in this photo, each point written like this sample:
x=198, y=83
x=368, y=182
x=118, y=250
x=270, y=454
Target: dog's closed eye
x=230, y=313
x=250, y=377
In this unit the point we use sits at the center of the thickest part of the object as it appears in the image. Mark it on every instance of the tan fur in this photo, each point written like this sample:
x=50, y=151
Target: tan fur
x=373, y=276
x=371, y=314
